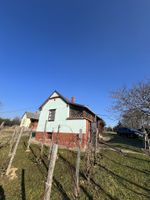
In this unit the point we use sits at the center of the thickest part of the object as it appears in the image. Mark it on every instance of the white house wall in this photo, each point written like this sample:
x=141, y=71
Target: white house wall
x=25, y=122
x=61, y=115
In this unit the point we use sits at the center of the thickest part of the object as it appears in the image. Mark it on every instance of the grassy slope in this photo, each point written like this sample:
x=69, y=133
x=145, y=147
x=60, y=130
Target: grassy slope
x=114, y=177
x=135, y=144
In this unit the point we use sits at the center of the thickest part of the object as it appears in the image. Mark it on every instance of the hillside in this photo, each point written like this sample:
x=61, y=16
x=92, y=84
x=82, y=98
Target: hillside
x=113, y=177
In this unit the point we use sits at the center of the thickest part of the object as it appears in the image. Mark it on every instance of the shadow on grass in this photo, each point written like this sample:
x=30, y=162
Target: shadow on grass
x=66, y=162
x=2, y=193
x=90, y=197
x=71, y=168
x=60, y=189
x=122, y=140
x=23, y=191
x=135, y=158
x=36, y=161
x=127, y=166
x=102, y=190
x=91, y=181
x=120, y=179
x=25, y=145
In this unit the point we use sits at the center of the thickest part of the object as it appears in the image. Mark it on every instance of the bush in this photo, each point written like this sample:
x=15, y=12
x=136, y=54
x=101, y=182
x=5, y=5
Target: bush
x=9, y=122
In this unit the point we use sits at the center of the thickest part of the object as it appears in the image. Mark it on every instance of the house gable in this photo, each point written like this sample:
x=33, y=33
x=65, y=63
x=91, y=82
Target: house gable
x=54, y=95
x=54, y=101
x=62, y=112
x=87, y=111
x=60, y=104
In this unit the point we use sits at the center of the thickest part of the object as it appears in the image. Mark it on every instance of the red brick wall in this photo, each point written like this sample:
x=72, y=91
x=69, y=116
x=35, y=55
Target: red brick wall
x=68, y=140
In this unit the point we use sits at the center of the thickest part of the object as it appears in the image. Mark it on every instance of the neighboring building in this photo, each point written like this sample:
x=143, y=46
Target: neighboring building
x=57, y=112
x=30, y=120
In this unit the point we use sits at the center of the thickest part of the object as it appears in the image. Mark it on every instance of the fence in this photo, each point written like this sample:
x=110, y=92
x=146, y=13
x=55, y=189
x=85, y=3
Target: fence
x=70, y=159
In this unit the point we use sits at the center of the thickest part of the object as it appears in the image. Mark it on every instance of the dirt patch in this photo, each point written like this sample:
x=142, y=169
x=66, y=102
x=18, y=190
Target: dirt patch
x=12, y=173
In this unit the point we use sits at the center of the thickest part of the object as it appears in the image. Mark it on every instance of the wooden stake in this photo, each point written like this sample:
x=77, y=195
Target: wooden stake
x=14, y=151
x=43, y=140
x=50, y=151
x=57, y=136
x=48, y=184
x=95, y=147
x=50, y=148
x=51, y=144
x=12, y=141
x=147, y=140
x=29, y=141
x=2, y=125
x=77, y=187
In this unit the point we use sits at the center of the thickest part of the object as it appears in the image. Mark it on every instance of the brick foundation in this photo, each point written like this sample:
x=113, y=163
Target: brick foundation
x=67, y=140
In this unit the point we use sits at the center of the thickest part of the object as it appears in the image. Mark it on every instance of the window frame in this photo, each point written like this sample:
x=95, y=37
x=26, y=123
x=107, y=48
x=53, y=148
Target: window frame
x=51, y=110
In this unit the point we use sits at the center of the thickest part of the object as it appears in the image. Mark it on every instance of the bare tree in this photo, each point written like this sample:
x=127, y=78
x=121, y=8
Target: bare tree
x=135, y=101
x=133, y=119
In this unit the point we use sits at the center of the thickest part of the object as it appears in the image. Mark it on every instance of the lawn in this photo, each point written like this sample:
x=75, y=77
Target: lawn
x=114, y=176
x=135, y=144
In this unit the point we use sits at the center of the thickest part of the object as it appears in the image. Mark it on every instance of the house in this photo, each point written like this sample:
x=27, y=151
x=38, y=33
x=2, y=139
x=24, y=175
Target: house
x=30, y=120
x=61, y=119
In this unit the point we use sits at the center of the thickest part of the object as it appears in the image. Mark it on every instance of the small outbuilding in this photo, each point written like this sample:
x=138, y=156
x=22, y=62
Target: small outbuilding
x=30, y=120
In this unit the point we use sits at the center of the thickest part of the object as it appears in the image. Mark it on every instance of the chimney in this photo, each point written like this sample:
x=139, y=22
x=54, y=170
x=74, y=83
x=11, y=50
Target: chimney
x=72, y=99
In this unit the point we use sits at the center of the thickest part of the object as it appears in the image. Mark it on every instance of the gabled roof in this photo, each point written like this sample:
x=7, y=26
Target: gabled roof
x=31, y=115
x=67, y=101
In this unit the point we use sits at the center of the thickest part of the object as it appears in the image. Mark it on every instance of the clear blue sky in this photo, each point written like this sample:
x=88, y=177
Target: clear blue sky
x=81, y=48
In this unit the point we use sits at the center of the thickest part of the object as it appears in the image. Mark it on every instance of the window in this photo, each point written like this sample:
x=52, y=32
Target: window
x=51, y=116
x=49, y=135
x=75, y=113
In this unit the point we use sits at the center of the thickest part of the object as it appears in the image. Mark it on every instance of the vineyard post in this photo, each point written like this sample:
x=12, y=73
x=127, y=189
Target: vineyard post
x=52, y=162
x=14, y=151
x=77, y=187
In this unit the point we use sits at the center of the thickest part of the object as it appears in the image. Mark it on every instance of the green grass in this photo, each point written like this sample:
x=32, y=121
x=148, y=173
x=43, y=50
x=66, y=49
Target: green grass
x=134, y=144
x=114, y=176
